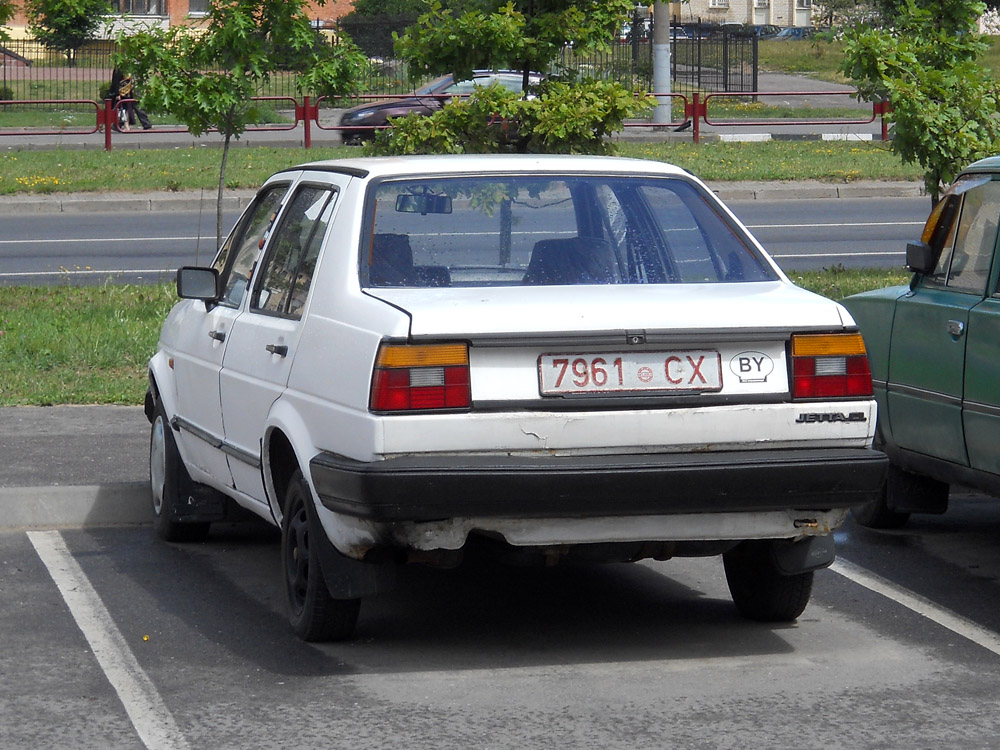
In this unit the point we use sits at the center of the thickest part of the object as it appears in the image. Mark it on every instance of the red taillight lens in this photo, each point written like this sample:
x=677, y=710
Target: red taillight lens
x=414, y=378
x=830, y=366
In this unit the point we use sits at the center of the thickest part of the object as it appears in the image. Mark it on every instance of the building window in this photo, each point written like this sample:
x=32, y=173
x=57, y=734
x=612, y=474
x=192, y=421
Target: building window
x=137, y=7
x=762, y=3
x=718, y=3
x=198, y=7
x=803, y=4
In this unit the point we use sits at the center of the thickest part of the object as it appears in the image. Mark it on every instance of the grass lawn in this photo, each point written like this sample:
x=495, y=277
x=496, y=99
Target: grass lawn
x=90, y=345
x=821, y=59
x=59, y=171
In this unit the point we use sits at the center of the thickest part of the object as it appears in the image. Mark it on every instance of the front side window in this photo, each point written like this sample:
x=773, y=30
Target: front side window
x=552, y=231
x=293, y=252
x=968, y=248
x=238, y=255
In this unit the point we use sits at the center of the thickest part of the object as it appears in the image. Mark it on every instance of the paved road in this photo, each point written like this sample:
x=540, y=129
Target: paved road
x=804, y=227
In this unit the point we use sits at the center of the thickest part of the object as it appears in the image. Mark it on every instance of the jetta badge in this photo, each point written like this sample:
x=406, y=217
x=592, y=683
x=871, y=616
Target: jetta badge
x=833, y=416
x=751, y=367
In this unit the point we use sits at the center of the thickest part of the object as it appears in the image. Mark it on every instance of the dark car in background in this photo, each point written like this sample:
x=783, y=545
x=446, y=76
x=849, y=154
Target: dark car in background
x=760, y=30
x=360, y=121
x=795, y=33
x=766, y=30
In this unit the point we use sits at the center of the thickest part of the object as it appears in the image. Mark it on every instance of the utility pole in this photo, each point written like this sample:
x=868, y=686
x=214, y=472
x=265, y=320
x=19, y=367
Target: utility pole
x=661, y=61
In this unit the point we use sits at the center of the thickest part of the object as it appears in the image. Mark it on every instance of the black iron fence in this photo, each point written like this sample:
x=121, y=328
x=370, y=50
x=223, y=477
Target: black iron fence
x=712, y=59
x=703, y=59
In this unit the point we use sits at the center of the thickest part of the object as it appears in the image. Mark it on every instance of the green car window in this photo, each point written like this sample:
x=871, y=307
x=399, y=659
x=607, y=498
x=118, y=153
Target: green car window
x=968, y=251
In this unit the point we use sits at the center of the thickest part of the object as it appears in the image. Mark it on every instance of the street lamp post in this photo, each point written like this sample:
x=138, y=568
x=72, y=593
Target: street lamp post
x=661, y=61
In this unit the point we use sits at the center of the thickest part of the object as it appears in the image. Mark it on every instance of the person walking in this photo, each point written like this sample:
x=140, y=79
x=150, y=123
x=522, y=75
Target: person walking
x=126, y=105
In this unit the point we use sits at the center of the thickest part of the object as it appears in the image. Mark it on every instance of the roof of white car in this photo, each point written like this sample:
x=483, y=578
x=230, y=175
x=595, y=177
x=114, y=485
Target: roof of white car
x=389, y=166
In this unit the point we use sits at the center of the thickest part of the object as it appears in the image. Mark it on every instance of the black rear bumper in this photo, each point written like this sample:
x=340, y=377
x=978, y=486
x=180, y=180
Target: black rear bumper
x=435, y=487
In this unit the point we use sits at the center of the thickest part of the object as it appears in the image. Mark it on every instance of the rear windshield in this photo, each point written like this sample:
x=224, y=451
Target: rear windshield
x=495, y=231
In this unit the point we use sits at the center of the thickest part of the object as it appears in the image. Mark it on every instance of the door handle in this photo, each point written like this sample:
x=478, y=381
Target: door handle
x=280, y=349
x=956, y=328
x=217, y=335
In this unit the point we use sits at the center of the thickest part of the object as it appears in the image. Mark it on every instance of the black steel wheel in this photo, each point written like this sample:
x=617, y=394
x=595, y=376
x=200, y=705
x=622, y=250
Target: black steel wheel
x=759, y=589
x=313, y=613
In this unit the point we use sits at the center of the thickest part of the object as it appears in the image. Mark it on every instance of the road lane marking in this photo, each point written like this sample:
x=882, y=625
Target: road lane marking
x=838, y=224
x=145, y=708
x=916, y=603
x=104, y=240
x=875, y=253
x=88, y=272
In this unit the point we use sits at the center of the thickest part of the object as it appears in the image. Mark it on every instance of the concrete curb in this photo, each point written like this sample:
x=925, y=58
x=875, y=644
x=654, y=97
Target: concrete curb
x=812, y=189
x=119, y=202
x=126, y=504
x=238, y=200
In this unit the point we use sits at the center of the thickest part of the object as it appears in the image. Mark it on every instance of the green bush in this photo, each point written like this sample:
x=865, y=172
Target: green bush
x=562, y=118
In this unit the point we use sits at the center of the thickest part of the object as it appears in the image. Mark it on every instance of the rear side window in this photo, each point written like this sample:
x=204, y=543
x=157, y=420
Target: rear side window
x=552, y=231
x=292, y=253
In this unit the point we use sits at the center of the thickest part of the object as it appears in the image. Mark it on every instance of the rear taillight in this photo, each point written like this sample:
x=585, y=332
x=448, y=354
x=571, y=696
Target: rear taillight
x=417, y=377
x=831, y=365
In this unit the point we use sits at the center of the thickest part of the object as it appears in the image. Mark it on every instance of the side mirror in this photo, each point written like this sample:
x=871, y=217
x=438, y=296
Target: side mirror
x=198, y=283
x=920, y=257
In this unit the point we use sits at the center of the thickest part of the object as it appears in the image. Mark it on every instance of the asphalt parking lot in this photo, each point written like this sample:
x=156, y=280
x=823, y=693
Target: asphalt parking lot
x=113, y=639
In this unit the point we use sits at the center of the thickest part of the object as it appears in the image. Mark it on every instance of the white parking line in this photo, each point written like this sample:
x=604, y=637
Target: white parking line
x=143, y=704
x=916, y=603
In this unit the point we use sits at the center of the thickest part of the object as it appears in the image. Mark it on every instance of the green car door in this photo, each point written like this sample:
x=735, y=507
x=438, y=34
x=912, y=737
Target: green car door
x=931, y=327
x=981, y=413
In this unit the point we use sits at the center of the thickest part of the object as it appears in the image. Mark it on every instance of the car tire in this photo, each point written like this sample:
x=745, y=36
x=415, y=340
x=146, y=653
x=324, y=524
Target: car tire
x=759, y=589
x=313, y=613
x=915, y=492
x=169, y=484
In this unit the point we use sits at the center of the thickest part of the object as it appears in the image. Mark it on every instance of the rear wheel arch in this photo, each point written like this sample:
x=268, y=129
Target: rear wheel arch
x=281, y=462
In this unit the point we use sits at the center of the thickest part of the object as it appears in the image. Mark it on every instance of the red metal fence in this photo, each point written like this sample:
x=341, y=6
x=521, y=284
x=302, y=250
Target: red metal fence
x=697, y=112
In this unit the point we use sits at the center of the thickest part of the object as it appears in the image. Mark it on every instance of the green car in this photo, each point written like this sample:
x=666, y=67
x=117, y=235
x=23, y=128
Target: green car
x=934, y=349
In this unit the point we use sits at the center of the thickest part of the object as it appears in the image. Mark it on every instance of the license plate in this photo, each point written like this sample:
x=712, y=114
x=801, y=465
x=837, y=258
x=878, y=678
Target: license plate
x=615, y=372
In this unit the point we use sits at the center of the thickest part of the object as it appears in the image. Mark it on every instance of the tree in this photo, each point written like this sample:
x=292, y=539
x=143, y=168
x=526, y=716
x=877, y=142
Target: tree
x=410, y=7
x=524, y=35
x=207, y=77
x=890, y=10
x=845, y=12
x=64, y=25
x=944, y=105
x=521, y=35
x=6, y=13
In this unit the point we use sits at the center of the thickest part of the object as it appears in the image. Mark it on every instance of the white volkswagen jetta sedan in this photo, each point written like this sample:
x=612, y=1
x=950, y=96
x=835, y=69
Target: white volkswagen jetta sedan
x=551, y=358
